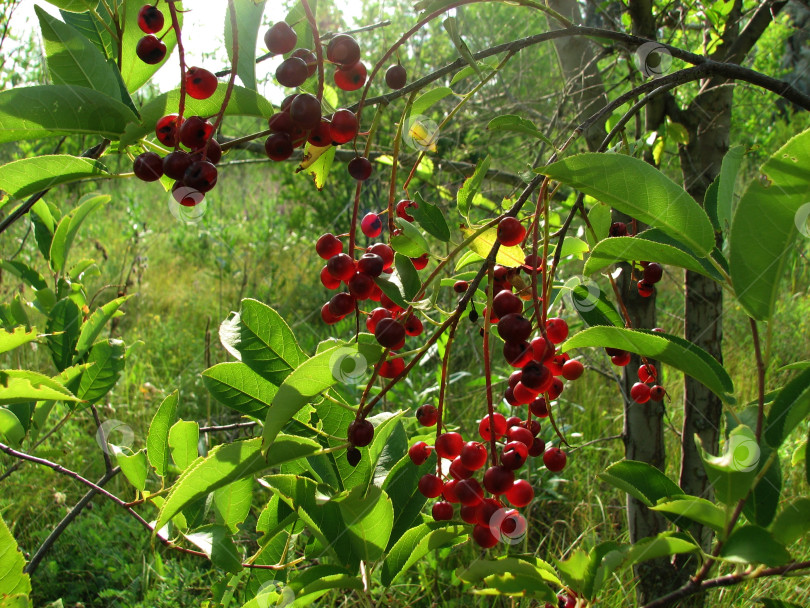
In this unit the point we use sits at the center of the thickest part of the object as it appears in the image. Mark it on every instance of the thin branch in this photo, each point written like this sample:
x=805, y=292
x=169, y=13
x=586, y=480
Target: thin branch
x=228, y=427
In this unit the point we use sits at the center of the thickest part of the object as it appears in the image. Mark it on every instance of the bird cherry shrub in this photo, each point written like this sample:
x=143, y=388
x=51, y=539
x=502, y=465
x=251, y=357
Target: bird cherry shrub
x=328, y=457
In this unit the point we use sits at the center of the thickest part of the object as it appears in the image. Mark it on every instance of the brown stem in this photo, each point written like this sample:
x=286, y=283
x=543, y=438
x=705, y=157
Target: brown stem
x=493, y=446
x=234, y=66
x=318, y=49
x=181, y=106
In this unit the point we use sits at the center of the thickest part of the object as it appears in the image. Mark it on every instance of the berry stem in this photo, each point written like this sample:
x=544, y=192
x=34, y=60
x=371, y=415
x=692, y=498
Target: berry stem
x=317, y=43
x=232, y=77
x=493, y=446
x=395, y=165
x=443, y=386
x=353, y=232
x=181, y=106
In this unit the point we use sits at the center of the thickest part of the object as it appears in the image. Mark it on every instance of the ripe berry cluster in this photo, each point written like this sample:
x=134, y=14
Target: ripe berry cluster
x=652, y=271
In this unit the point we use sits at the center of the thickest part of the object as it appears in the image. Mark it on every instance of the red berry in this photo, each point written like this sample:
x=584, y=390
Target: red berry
x=498, y=479
x=413, y=326
x=555, y=389
x=473, y=455
x=498, y=424
x=176, y=163
x=305, y=109
x=343, y=49
x=420, y=262
x=280, y=38
x=371, y=264
x=148, y=167
x=292, y=72
x=449, y=490
x=517, y=354
x=389, y=333
x=375, y=317
x=320, y=136
x=167, y=130
x=468, y=513
x=449, y=445
x=510, y=232
x=150, y=50
x=657, y=392
x=554, y=459
x=211, y=150
x=653, y=273
x=542, y=349
x=371, y=225
x=341, y=266
x=645, y=290
x=427, y=414
x=419, y=452
x=402, y=209
x=396, y=76
x=342, y=304
x=327, y=316
x=483, y=536
x=385, y=252
x=458, y=470
x=521, y=493
x=359, y=168
x=538, y=447
x=523, y=395
x=621, y=359
x=360, y=433
x=520, y=434
x=186, y=196
x=195, y=132
x=392, y=368
x=328, y=280
x=430, y=485
x=514, y=328
x=556, y=330
x=514, y=454
x=343, y=127
x=278, y=146
x=640, y=392
x=201, y=175
x=536, y=377
x=461, y=286
x=352, y=77
x=328, y=245
x=307, y=57
x=618, y=229
x=150, y=19
x=647, y=373
x=469, y=492
x=200, y=83
x=539, y=408
x=572, y=370
x=442, y=511
x=505, y=302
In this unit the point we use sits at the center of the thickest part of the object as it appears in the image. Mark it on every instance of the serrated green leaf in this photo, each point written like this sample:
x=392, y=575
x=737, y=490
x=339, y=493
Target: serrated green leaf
x=415, y=544
x=69, y=226
x=369, y=517
x=20, y=385
x=425, y=100
x=232, y=503
x=695, y=509
x=134, y=466
x=11, y=429
x=248, y=21
x=21, y=178
x=9, y=340
x=184, y=435
x=430, y=217
x=410, y=242
x=732, y=473
x=95, y=324
x=641, y=480
x=471, y=186
x=63, y=330
x=513, y=122
x=107, y=358
x=25, y=272
x=789, y=408
x=13, y=580
x=157, y=441
x=754, y=545
x=217, y=543
x=640, y=190
x=627, y=249
x=237, y=386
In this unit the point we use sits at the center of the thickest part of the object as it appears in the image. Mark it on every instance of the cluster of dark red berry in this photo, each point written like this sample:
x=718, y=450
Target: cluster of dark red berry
x=652, y=271
x=193, y=168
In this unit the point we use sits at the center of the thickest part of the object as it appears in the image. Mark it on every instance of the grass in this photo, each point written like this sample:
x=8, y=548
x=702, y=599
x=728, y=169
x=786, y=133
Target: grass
x=254, y=242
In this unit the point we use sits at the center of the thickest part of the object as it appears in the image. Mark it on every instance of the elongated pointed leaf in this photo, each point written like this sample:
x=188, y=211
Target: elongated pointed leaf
x=793, y=521
x=91, y=28
x=237, y=386
x=628, y=249
x=75, y=6
x=225, y=464
x=725, y=186
x=95, y=324
x=21, y=178
x=248, y=21
x=641, y=480
x=133, y=466
x=672, y=350
x=69, y=226
x=72, y=58
x=232, y=503
x=20, y=386
x=511, y=574
x=754, y=545
x=415, y=544
x=25, y=272
x=766, y=224
x=512, y=122
x=157, y=441
x=426, y=100
x=641, y=191
x=183, y=439
x=51, y=110
x=695, y=509
x=63, y=327
x=134, y=71
x=107, y=358
x=9, y=340
x=471, y=186
x=369, y=517
x=430, y=218
x=216, y=541
x=12, y=579
x=410, y=242
x=661, y=545
x=789, y=408
x=12, y=431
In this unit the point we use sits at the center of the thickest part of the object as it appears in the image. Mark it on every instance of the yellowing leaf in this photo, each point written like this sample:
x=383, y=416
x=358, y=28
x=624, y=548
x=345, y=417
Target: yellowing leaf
x=510, y=257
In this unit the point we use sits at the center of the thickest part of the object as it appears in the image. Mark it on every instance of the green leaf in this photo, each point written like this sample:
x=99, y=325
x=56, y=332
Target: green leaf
x=415, y=544
x=511, y=257
x=44, y=225
x=410, y=242
x=317, y=162
x=25, y=272
x=52, y=110
x=262, y=340
x=63, y=327
x=369, y=517
x=600, y=220
x=725, y=185
x=696, y=509
x=393, y=288
x=69, y=226
x=430, y=217
x=513, y=122
x=672, y=350
x=183, y=438
x=789, y=408
x=11, y=429
x=107, y=358
x=640, y=190
x=225, y=464
x=243, y=102
x=793, y=521
x=627, y=249
x=732, y=473
x=710, y=202
x=754, y=545
x=91, y=28
x=157, y=441
x=13, y=580
x=248, y=21
x=134, y=466
x=21, y=178
x=72, y=58
x=411, y=283
x=450, y=25
x=74, y=6
x=20, y=385
x=764, y=226
x=217, y=543
x=592, y=304
x=511, y=576
x=425, y=100
x=9, y=340
x=574, y=570
x=760, y=508
x=232, y=503
x=309, y=380
x=95, y=323
x=134, y=71
x=471, y=186
x=237, y=386
x=661, y=545
x=641, y=480
x=401, y=485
